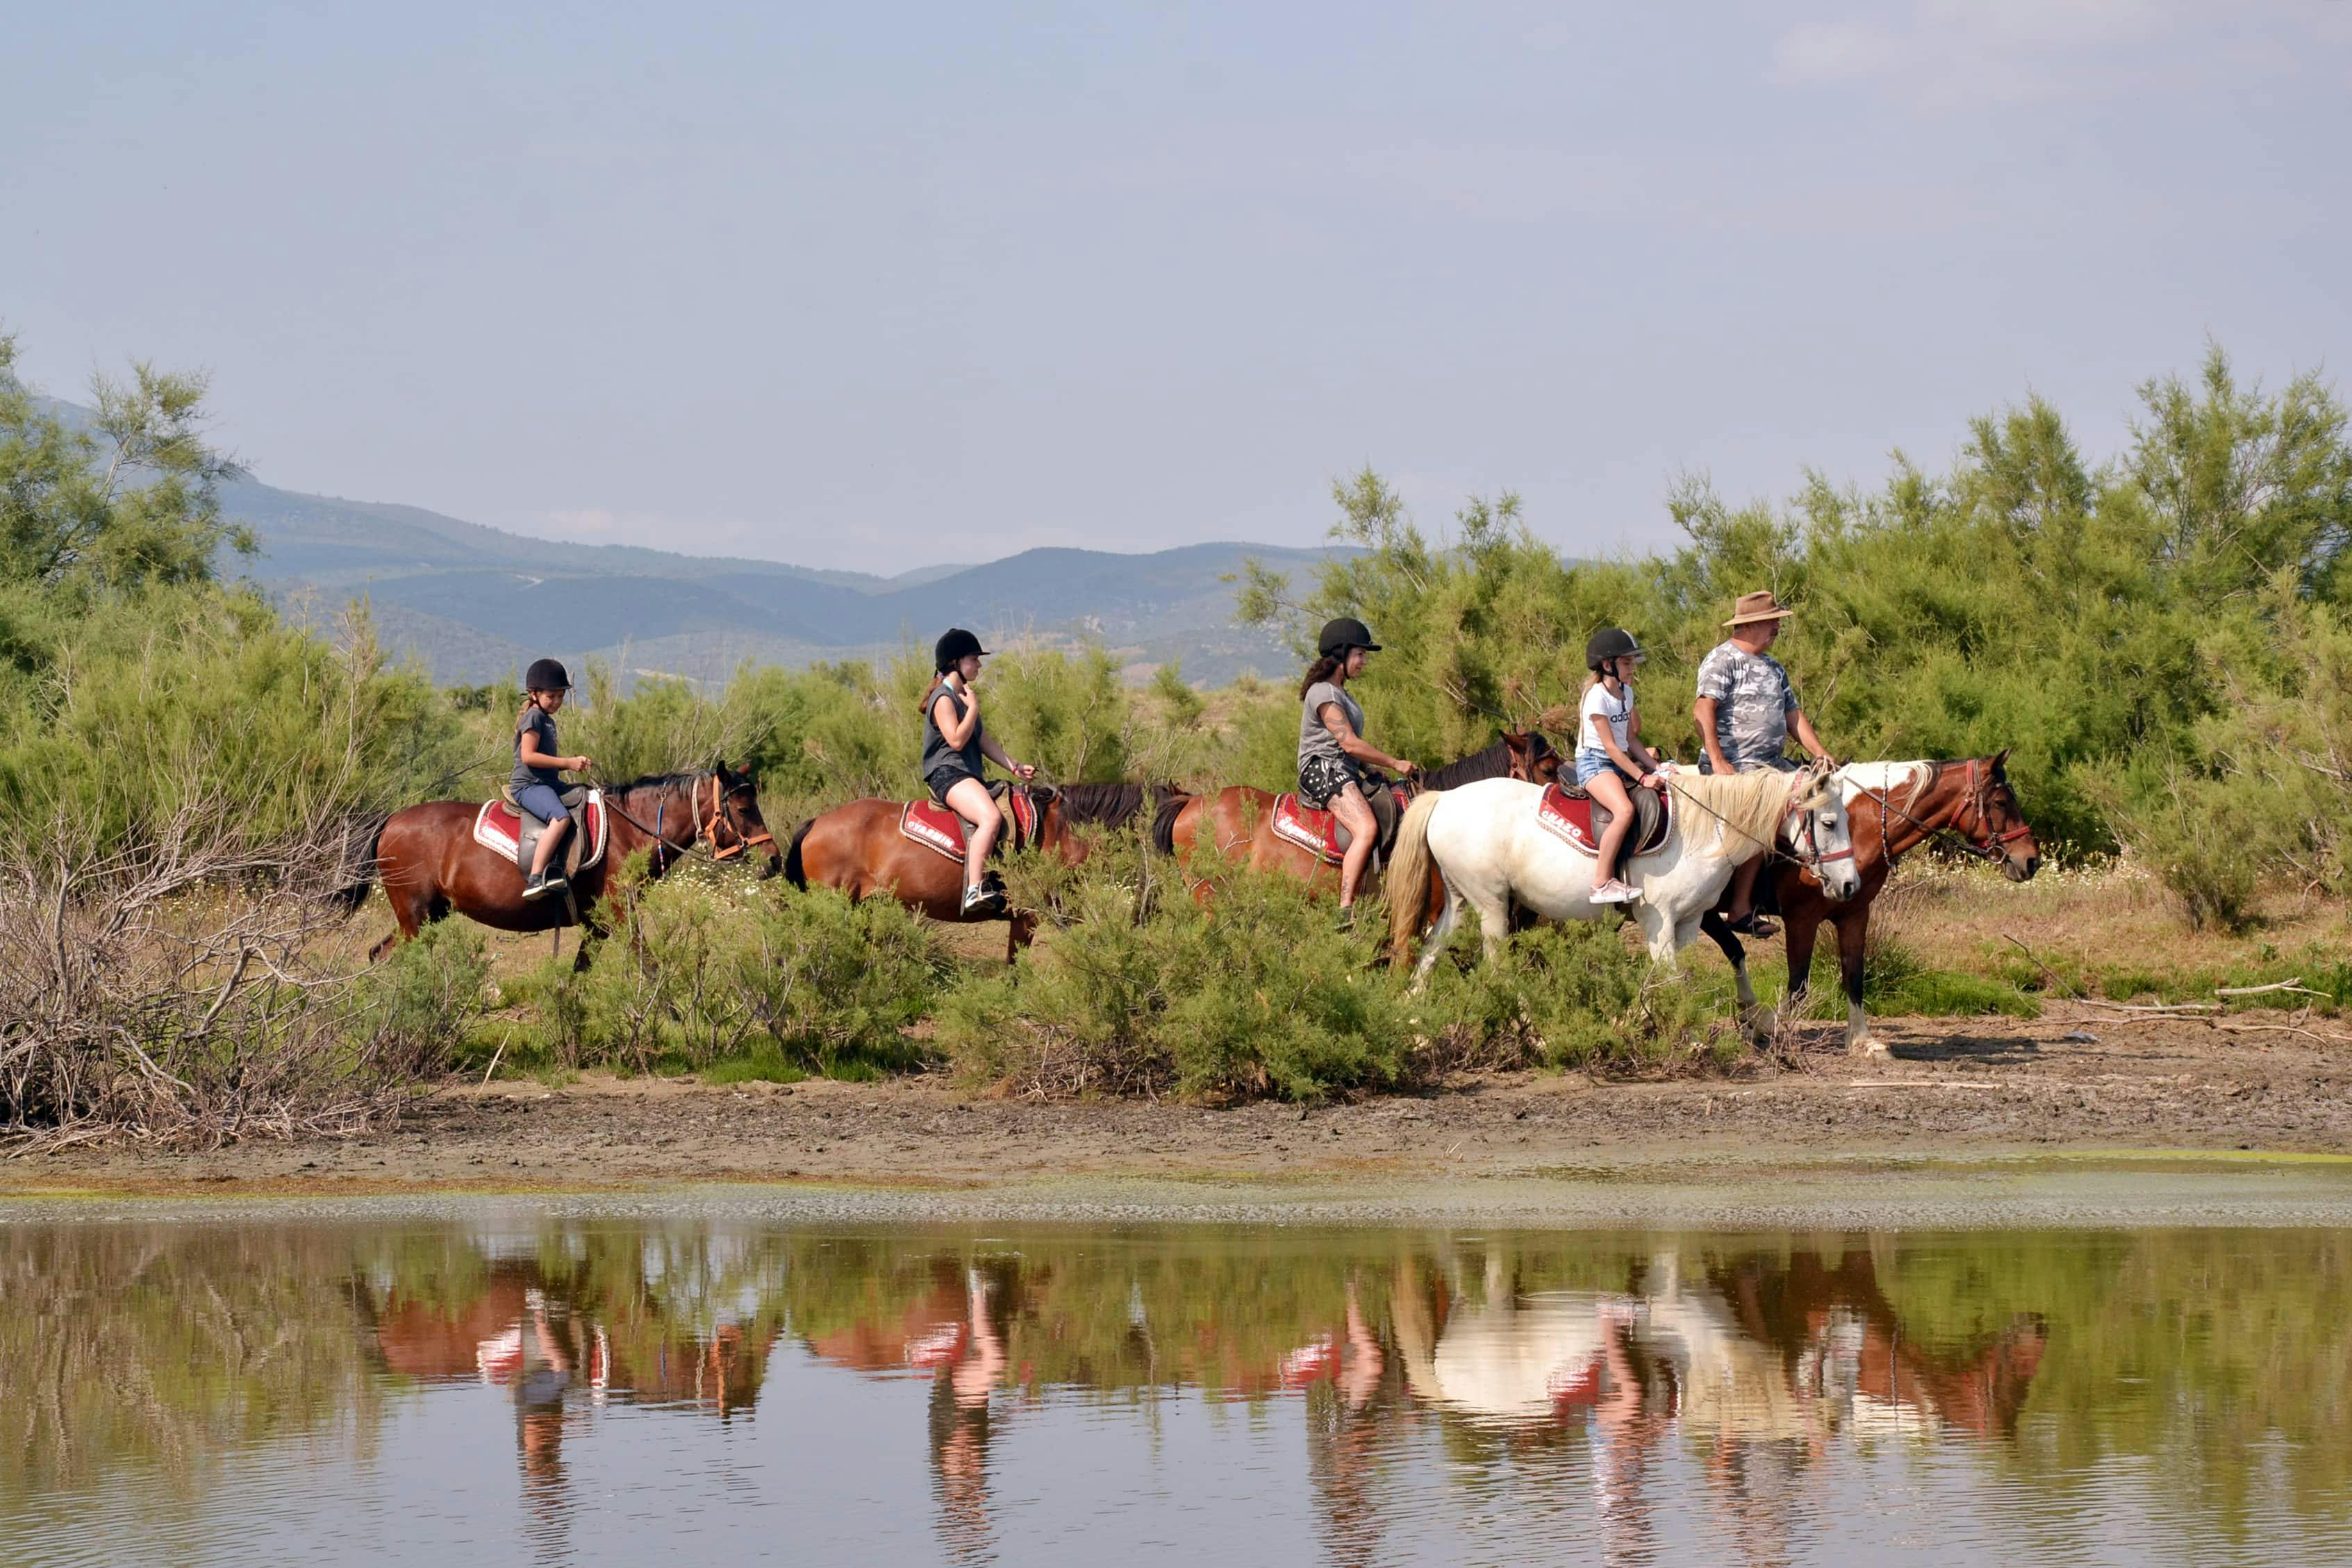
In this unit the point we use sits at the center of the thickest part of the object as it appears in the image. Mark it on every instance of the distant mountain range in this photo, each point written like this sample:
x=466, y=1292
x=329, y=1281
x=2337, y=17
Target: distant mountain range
x=476, y=604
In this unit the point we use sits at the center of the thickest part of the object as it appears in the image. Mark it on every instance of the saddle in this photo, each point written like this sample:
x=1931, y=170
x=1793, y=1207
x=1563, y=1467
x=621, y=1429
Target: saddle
x=506, y=828
x=1321, y=834
x=938, y=829
x=1577, y=819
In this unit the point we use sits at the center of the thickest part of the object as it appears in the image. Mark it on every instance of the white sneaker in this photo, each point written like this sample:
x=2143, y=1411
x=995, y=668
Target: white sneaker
x=1614, y=892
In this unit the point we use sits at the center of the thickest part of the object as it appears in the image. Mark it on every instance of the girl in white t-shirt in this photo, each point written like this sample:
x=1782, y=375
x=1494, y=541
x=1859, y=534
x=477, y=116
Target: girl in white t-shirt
x=1609, y=752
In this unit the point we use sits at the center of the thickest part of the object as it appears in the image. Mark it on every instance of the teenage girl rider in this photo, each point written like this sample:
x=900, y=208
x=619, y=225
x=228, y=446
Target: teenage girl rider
x=1610, y=753
x=537, y=782
x=1333, y=753
x=953, y=745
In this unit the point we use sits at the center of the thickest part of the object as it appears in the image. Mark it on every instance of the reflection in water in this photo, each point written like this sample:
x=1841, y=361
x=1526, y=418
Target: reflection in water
x=1605, y=1400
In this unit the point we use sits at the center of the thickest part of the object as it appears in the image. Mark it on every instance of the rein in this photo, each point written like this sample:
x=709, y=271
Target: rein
x=1979, y=795
x=703, y=830
x=1812, y=856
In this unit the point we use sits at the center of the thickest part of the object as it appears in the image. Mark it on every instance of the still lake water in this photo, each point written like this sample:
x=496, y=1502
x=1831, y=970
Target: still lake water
x=507, y=1387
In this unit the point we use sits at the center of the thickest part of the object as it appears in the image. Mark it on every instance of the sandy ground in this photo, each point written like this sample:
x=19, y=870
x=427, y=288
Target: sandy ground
x=1951, y=1089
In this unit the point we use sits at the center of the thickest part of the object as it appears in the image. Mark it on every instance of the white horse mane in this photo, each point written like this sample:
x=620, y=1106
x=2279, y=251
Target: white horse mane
x=1742, y=807
x=1884, y=778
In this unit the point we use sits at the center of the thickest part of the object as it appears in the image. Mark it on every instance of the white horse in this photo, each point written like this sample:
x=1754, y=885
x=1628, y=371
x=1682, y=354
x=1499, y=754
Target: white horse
x=1485, y=840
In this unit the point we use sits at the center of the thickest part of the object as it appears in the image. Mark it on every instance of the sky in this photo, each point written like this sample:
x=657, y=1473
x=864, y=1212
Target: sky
x=878, y=286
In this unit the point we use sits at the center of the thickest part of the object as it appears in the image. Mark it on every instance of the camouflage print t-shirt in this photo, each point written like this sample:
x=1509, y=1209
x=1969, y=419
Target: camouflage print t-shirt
x=1753, y=700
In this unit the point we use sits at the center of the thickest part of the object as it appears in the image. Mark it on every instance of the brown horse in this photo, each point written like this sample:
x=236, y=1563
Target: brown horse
x=1241, y=818
x=859, y=849
x=430, y=864
x=1893, y=807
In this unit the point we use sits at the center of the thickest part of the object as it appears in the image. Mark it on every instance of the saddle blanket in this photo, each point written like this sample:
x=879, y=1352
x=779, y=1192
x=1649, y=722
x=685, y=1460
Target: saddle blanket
x=1568, y=817
x=498, y=827
x=940, y=830
x=1317, y=833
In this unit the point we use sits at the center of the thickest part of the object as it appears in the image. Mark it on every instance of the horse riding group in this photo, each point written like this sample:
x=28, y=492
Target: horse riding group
x=1686, y=850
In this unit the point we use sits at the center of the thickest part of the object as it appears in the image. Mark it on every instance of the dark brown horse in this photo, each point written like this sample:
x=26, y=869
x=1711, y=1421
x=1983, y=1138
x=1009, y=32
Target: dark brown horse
x=430, y=864
x=1893, y=807
x=1241, y=818
x=859, y=849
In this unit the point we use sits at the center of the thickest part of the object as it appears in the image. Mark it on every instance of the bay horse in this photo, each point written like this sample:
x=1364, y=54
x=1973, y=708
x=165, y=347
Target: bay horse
x=1240, y=819
x=859, y=849
x=1486, y=841
x=1895, y=806
x=429, y=864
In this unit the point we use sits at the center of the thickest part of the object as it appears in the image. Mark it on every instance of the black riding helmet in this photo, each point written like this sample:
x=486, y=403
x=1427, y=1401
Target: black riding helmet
x=1342, y=634
x=955, y=645
x=1610, y=642
x=546, y=676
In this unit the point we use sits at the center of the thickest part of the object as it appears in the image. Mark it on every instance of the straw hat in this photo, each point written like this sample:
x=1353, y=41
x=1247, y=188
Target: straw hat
x=1759, y=606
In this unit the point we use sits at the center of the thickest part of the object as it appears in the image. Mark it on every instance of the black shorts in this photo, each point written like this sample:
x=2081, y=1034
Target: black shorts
x=1320, y=778
x=942, y=780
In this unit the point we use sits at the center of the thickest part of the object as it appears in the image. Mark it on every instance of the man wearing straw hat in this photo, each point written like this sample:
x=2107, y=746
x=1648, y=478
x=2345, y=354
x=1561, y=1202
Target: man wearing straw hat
x=1745, y=709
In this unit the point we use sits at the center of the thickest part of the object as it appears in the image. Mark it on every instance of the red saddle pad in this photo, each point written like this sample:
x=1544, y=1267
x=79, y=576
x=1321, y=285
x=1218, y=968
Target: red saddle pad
x=498, y=827
x=1316, y=832
x=938, y=828
x=1569, y=818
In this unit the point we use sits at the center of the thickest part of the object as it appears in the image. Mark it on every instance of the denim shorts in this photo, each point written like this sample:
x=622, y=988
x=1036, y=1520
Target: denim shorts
x=541, y=802
x=1591, y=763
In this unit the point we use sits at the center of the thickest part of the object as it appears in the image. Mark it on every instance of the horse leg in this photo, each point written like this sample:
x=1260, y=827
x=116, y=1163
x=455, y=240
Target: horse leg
x=1802, y=925
x=1434, y=943
x=1660, y=929
x=1852, y=929
x=1760, y=1019
x=1020, y=930
x=412, y=909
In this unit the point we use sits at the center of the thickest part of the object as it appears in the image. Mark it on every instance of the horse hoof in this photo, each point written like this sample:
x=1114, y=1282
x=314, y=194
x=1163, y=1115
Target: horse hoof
x=1865, y=1047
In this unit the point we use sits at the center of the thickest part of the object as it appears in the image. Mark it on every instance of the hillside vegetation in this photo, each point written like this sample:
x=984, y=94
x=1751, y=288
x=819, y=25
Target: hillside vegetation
x=2158, y=638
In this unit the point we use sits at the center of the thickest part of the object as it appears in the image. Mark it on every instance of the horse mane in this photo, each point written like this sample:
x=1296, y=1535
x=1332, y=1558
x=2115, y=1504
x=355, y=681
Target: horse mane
x=1882, y=779
x=1109, y=805
x=1164, y=820
x=1495, y=762
x=659, y=781
x=1745, y=808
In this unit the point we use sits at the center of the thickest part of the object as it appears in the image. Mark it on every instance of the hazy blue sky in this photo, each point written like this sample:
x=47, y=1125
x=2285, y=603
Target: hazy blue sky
x=875, y=286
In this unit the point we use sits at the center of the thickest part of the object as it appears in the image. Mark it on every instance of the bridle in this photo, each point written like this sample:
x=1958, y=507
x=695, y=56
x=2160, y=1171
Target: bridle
x=1807, y=851
x=1978, y=840
x=705, y=831
x=717, y=812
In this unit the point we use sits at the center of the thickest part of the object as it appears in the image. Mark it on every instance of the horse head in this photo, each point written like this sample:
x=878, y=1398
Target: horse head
x=1822, y=836
x=1533, y=760
x=738, y=814
x=2001, y=828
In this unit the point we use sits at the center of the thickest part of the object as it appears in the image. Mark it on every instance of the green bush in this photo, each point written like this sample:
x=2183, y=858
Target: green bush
x=1259, y=996
x=1570, y=995
x=704, y=969
x=419, y=1003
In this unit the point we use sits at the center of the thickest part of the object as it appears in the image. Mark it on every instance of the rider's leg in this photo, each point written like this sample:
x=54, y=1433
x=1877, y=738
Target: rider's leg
x=550, y=842
x=970, y=798
x=1610, y=790
x=541, y=802
x=1355, y=813
x=1743, y=889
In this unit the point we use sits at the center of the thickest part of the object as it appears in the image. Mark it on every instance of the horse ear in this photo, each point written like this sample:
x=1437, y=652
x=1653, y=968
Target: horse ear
x=2000, y=764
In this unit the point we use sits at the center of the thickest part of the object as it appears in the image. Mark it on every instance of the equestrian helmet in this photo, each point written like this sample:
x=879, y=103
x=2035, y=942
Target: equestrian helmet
x=546, y=676
x=1610, y=642
x=1342, y=634
x=955, y=645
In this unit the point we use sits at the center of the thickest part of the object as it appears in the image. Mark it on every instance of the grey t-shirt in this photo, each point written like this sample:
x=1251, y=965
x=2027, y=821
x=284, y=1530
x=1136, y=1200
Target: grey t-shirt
x=1314, y=740
x=539, y=723
x=1753, y=700
x=937, y=752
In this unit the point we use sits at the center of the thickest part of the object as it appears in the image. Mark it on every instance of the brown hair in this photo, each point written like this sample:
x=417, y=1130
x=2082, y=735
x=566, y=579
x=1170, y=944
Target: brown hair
x=1321, y=670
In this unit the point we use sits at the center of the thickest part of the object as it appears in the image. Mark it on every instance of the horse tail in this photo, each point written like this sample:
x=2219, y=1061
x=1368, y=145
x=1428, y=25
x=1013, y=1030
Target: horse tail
x=1407, y=877
x=1163, y=822
x=359, y=869
x=794, y=871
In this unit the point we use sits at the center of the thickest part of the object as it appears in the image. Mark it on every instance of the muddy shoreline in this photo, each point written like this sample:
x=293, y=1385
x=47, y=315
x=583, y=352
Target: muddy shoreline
x=1960, y=1091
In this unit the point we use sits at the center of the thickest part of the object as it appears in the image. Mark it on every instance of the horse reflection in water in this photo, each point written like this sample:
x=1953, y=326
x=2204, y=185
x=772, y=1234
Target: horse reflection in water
x=552, y=1347
x=1755, y=1364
